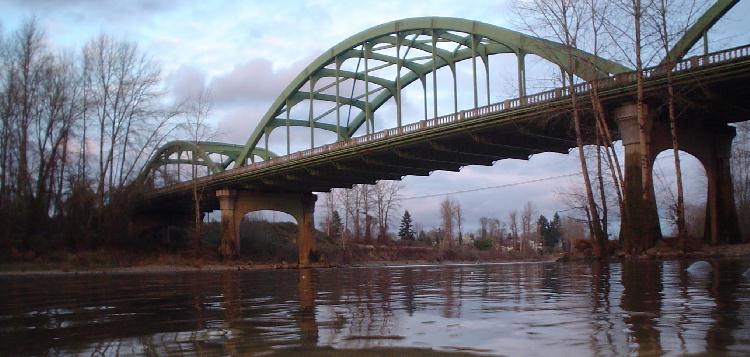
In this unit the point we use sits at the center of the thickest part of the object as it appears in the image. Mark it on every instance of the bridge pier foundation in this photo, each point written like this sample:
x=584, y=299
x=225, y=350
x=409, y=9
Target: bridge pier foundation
x=722, y=222
x=229, y=247
x=235, y=204
x=712, y=145
x=639, y=227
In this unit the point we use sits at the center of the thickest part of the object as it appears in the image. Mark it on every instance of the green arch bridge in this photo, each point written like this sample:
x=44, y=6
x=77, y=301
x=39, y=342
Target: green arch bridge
x=338, y=94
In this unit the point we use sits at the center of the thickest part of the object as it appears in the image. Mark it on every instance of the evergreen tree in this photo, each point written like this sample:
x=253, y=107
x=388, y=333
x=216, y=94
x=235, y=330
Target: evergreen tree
x=423, y=237
x=406, y=231
x=336, y=225
x=549, y=230
x=542, y=225
x=554, y=233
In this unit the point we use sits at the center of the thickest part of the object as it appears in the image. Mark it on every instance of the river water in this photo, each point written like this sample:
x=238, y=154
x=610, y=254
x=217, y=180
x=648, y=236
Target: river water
x=534, y=309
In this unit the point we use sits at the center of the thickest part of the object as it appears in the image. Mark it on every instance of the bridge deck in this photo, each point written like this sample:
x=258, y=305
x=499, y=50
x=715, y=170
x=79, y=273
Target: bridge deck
x=712, y=87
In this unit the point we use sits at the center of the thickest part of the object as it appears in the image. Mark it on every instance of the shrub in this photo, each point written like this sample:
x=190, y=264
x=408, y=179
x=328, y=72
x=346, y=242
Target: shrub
x=483, y=244
x=314, y=256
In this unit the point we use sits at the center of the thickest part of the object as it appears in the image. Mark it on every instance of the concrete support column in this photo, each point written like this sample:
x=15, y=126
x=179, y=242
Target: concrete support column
x=722, y=223
x=230, y=227
x=234, y=204
x=639, y=228
x=306, y=227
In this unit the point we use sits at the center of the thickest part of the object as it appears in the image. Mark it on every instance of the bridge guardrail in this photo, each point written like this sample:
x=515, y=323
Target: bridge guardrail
x=686, y=65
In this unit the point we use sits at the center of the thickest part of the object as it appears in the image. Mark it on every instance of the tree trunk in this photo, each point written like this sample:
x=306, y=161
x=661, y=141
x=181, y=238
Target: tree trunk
x=600, y=177
x=643, y=122
x=668, y=65
x=682, y=232
x=600, y=242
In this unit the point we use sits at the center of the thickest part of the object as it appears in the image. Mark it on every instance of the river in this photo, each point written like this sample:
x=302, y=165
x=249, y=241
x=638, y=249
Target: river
x=523, y=309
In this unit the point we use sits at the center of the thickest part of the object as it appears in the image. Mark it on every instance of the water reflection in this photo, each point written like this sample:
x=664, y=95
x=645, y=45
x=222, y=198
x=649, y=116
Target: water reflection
x=723, y=288
x=634, y=307
x=306, y=315
x=641, y=302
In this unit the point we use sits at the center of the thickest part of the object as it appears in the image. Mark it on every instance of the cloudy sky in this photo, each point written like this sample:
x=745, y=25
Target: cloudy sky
x=248, y=51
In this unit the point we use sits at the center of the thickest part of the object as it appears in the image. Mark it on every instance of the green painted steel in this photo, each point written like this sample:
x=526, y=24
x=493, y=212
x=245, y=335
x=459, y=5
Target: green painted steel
x=699, y=29
x=468, y=40
x=202, y=151
x=396, y=152
x=472, y=39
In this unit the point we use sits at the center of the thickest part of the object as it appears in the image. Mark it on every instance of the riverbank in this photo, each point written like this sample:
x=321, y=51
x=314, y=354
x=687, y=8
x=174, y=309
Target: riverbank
x=240, y=266
x=108, y=262
x=328, y=256
x=118, y=263
x=719, y=251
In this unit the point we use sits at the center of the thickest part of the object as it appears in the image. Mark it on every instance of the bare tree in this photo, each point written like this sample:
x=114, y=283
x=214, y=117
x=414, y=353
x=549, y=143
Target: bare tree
x=668, y=65
x=357, y=205
x=54, y=108
x=39, y=109
x=564, y=18
x=447, y=216
x=513, y=223
x=572, y=229
x=643, y=122
x=600, y=12
x=385, y=196
x=329, y=204
x=196, y=116
x=484, y=225
x=363, y=198
x=458, y=215
x=28, y=65
x=123, y=97
x=527, y=220
x=346, y=200
x=491, y=228
x=600, y=184
x=661, y=22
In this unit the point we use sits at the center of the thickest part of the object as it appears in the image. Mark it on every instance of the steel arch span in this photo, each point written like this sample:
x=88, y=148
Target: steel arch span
x=215, y=157
x=434, y=43
x=359, y=75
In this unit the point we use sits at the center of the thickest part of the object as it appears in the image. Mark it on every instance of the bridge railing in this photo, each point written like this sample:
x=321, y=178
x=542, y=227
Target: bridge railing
x=686, y=65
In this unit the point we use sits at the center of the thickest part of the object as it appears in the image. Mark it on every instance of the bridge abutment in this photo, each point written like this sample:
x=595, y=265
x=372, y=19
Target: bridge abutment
x=235, y=204
x=639, y=227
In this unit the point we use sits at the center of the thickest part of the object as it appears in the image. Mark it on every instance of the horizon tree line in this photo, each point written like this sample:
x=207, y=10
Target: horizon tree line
x=76, y=125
